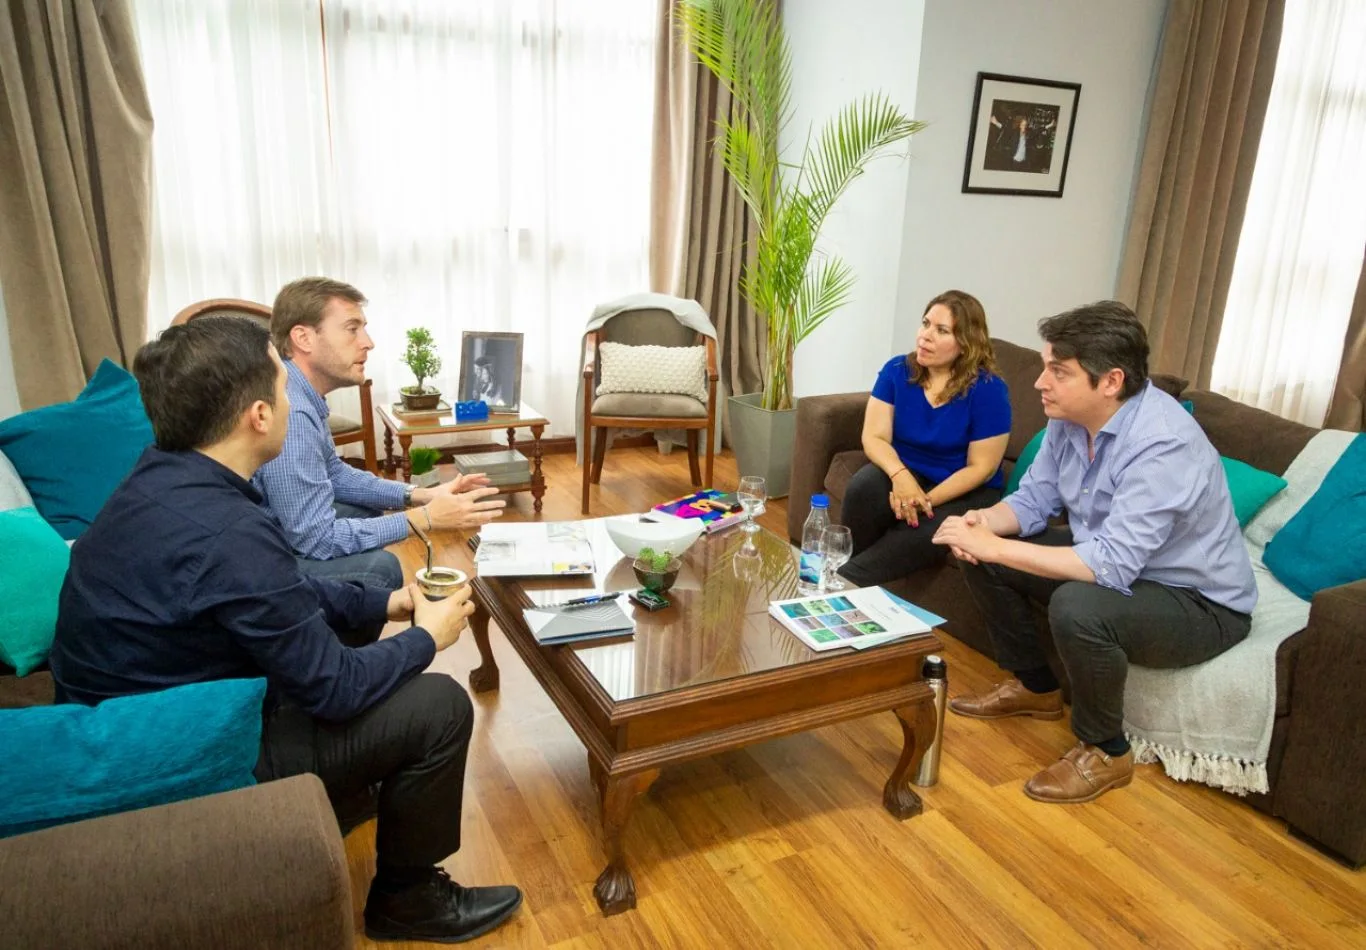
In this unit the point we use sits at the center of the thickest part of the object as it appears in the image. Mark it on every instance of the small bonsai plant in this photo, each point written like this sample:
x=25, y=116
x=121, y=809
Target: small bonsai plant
x=656, y=570
x=421, y=358
x=422, y=461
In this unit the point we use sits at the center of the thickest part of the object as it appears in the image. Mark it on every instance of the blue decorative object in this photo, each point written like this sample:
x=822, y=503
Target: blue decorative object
x=1025, y=460
x=73, y=455
x=471, y=411
x=1324, y=545
x=33, y=563
x=69, y=762
x=1250, y=487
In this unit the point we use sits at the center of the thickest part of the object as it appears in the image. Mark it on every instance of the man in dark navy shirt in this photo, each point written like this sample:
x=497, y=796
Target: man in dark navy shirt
x=184, y=578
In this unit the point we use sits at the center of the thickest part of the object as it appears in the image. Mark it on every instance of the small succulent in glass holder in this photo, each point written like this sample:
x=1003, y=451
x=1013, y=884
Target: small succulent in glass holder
x=656, y=570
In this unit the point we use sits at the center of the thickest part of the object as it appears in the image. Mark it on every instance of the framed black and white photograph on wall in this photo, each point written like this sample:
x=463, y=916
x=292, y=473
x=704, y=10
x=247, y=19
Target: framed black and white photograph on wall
x=1021, y=135
x=491, y=369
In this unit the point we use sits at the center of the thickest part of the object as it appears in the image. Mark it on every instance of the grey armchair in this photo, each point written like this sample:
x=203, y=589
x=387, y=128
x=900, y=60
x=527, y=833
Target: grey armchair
x=645, y=410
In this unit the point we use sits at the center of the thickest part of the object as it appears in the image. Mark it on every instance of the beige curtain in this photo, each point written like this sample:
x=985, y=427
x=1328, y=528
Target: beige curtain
x=1205, y=122
x=1348, y=409
x=699, y=227
x=75, y=182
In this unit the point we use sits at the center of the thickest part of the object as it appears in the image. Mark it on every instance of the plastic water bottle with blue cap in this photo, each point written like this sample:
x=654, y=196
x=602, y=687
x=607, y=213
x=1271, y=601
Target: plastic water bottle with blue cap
x=811, y=571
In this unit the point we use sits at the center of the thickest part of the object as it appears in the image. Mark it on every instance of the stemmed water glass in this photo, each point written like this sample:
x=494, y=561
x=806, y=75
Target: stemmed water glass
x=839, y=545
x=752, y=492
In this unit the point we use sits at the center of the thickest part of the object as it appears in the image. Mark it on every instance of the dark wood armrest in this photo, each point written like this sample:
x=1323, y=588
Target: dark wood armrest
x=711, y=358
x=590, y=353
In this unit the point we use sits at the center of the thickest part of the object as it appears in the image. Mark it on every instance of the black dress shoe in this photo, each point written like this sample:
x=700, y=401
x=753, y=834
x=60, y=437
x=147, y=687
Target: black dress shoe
x=438, y=910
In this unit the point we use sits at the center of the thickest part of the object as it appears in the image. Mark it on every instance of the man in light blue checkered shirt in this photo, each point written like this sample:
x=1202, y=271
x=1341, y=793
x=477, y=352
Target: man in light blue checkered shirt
x=332, y=513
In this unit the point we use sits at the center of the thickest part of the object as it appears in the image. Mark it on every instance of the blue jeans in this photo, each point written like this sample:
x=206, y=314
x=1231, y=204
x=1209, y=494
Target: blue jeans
x=371, y=568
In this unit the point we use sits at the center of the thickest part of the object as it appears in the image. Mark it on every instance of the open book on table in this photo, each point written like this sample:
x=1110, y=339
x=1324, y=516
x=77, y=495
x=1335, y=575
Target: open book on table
x=545, y=549
x=859, y=617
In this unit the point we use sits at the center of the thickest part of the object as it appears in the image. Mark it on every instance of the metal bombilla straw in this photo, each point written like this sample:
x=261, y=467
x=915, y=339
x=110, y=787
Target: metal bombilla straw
x=425, y=540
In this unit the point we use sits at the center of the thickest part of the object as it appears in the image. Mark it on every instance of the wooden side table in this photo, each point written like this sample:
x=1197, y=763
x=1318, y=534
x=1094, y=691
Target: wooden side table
x=407, y=425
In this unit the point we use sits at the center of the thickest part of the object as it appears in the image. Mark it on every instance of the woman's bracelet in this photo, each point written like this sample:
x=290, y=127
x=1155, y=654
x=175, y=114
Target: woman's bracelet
x=898, y=472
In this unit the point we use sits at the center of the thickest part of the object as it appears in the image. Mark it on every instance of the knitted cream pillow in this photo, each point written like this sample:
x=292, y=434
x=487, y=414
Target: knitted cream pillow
x=653, y=369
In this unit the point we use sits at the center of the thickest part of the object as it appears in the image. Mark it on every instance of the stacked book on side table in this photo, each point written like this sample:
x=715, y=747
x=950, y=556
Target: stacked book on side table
x=508, y=467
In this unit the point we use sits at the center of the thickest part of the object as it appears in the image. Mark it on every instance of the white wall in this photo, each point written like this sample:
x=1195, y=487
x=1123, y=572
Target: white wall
x=1024, y=257
x=9, y=394
x=841, y=52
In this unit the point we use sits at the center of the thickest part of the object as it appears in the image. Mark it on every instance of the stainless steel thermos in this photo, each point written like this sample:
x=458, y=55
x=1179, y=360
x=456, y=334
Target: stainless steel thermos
x=936, y=675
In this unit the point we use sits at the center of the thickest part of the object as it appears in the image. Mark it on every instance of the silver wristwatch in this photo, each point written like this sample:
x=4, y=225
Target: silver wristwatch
x=407, y=496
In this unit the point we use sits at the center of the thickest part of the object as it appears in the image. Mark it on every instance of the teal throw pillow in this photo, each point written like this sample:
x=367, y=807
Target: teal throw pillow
x=73, y=455
x=1324, y=544
x=69, y=762
x=33, y=563
x=1250, y=487
x=1025, y=460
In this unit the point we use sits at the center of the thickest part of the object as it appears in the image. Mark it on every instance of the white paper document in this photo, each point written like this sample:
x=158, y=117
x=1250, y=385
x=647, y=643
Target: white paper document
x=548, y=549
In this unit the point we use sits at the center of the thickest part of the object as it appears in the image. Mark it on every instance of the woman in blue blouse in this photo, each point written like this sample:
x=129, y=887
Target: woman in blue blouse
x=935, y=432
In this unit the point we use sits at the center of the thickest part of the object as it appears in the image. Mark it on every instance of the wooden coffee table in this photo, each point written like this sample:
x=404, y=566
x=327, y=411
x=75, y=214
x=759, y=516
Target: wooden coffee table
x=407, y=425
x=711, y=673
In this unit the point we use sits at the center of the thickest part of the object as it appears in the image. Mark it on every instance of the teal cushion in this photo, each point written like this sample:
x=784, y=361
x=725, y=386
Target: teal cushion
x=73, y=455
x=1025, y=460
x=1250, y=487
x=33, y=562
x=68, y=762
x=1324, y=544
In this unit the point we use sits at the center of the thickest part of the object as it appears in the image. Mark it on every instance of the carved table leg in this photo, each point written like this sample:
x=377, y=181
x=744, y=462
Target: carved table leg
x=537, y=478
x=598, y=775
x=405, y=442
x=917, y=725
x=483, y=677
x=389, y=465
x=616, y=889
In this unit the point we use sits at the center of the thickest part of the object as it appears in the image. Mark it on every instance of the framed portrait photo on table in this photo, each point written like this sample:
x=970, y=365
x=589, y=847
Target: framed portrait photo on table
x=1020, y=136
x=491, y=369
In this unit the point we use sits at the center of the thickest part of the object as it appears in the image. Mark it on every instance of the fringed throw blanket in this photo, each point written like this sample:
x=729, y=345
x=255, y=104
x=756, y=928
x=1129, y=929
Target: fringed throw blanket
x=1212, y=723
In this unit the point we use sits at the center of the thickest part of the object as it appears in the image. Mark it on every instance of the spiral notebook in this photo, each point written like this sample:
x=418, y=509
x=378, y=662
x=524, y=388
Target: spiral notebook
x=569, y=623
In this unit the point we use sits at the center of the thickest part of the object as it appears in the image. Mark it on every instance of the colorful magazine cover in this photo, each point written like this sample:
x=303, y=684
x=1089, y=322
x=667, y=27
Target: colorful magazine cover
x=716, y=509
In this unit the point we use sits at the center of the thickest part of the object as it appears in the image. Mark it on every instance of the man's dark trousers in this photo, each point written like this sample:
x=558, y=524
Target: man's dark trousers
x=1098, y=632
x=413, y=745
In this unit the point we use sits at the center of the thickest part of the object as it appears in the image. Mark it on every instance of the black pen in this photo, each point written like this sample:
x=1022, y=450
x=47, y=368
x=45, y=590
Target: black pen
x=594, y=599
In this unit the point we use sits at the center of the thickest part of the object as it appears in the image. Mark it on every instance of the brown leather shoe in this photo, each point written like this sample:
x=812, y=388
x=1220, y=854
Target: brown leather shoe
x=1084, y=774
x=1009, y=699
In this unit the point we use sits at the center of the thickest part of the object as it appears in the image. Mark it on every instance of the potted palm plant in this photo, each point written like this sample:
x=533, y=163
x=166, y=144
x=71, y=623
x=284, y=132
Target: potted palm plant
x=420, y=356
x=789, y=283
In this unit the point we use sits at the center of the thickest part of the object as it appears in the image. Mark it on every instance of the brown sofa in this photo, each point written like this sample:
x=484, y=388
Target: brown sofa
x=1318, y=748
x=259, y=867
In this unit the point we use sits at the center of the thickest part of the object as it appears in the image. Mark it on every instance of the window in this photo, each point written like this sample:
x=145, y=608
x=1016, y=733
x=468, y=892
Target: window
x=475, y=165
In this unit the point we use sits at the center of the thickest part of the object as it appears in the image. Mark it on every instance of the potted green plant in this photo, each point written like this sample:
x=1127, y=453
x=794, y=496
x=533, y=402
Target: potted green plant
x=422, y=461
x=421, y=358
x=656, y=570
x=788, y=282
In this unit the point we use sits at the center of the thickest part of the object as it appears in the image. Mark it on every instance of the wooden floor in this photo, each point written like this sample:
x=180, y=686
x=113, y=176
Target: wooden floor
x=786, y=844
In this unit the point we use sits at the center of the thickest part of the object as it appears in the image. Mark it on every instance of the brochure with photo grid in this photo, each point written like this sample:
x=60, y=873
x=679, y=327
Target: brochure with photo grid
x=858, y=617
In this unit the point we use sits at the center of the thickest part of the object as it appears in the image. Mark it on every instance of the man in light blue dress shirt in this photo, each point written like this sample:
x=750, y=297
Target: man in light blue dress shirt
x=1151, y=568
x=334, y=514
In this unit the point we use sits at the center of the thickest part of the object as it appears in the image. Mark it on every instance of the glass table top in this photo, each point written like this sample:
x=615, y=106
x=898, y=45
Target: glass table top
x=717, y=625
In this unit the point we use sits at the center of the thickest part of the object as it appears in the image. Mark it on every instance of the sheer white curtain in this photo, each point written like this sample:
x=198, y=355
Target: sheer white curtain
x=468, y=164
x=1299, y=254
